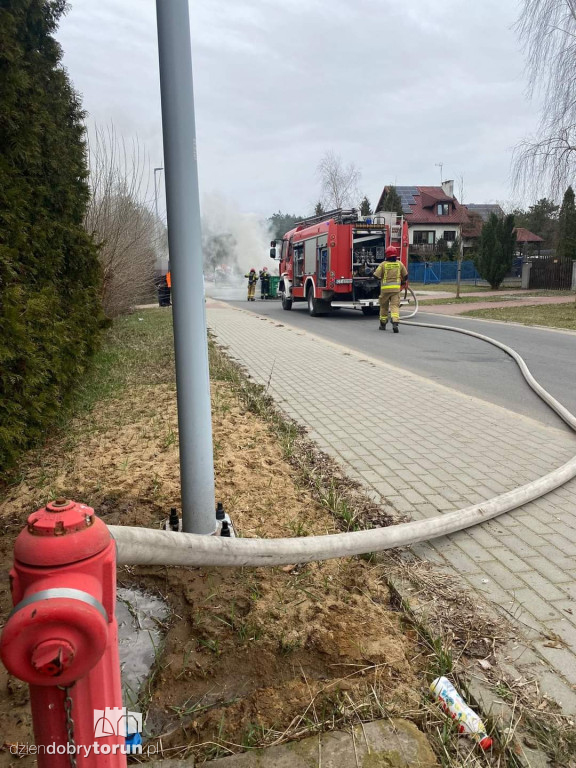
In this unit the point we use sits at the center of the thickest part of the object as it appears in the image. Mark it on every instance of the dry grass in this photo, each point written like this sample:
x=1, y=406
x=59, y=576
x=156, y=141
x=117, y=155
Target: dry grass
x=464, y=287
x=504, y=297
x=551, y=315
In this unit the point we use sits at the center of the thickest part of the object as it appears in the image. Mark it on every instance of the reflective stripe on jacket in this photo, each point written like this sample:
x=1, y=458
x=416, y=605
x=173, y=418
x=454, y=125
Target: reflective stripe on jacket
x=391, y=274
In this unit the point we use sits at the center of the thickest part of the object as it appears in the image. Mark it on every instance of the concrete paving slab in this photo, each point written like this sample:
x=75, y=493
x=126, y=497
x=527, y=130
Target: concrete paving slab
x=380, y=744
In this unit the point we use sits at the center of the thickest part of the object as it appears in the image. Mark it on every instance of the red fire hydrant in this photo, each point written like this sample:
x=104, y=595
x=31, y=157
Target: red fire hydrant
x=62, y=637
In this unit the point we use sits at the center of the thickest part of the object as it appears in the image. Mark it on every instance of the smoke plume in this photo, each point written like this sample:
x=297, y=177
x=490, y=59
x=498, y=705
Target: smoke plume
x=238, y=240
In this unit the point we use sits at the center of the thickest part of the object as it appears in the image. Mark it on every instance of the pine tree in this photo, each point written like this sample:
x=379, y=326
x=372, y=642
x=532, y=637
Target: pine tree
x=49, y=273
x=496, y=249
x=567, y=227
x=391, y=201
x=319, y=209
x=365, y=207
x=280, y=223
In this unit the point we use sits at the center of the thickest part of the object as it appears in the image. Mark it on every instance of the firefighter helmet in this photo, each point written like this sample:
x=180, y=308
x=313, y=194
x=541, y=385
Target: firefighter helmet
x=391, y=252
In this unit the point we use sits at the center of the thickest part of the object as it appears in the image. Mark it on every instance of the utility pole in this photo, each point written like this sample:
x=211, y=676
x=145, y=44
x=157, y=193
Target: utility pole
x=461, y=249
x=185, y=244
x=459, y=266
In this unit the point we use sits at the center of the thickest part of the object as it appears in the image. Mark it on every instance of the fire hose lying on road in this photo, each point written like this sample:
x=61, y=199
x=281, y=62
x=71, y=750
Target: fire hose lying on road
x=142, y=546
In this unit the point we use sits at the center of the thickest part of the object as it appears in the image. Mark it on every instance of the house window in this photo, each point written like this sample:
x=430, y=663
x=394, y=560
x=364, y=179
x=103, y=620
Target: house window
x=443, y=209
x=450, y=236
x=424, y=237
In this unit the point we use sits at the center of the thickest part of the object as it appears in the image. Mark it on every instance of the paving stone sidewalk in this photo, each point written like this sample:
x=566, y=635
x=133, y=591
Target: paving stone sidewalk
x=438, y=450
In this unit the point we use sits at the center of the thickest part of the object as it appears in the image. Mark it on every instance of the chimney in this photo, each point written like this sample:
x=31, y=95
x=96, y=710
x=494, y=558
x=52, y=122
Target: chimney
x=448, y=187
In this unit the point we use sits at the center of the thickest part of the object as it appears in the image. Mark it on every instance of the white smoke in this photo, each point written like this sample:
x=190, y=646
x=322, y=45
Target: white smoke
x=239, y=240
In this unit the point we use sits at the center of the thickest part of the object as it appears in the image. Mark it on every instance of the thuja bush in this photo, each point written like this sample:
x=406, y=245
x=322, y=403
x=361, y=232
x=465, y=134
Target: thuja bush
x=50, y=313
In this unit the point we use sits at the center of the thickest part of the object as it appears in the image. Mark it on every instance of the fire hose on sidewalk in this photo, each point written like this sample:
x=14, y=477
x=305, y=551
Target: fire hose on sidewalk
x=142, y=546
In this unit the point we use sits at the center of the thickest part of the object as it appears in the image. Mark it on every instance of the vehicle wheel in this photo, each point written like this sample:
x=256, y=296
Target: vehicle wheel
x=286, y=302
x=370, y=311
x=317, y=307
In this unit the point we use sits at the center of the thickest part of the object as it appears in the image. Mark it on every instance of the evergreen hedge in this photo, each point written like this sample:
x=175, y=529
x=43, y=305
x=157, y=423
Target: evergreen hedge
x=50, y=312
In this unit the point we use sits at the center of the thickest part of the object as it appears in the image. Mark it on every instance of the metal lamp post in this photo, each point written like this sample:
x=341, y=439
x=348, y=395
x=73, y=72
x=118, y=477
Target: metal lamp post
x=185, y=247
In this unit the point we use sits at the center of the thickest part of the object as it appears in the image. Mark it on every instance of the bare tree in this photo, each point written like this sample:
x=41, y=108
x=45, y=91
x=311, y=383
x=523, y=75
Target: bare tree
x=339, y=183
x=121, y=220
x=547, y=29
x=461, y=188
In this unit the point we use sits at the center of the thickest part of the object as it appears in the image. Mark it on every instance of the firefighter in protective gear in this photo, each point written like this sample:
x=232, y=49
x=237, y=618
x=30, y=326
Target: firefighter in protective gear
x=264, y=283
x=392, y=275
x=252, y=280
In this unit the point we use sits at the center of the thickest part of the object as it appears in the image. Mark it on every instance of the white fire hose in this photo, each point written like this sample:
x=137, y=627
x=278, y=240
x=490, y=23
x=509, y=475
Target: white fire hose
x=145, y=546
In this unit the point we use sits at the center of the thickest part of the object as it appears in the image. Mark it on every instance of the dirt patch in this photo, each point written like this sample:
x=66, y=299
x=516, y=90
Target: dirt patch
x=251, y=656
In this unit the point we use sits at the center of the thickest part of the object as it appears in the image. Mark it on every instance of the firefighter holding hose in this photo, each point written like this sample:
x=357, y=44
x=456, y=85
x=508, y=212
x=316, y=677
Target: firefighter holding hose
x=264, y=283
x=252, y=280
x=392, y=275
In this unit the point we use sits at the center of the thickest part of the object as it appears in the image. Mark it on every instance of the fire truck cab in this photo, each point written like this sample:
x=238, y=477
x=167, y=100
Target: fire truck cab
x=328, y=260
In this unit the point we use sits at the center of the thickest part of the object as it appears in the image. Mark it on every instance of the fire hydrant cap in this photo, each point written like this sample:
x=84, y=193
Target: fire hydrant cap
x=60, y=517
x=52, y=657
x=61, y=532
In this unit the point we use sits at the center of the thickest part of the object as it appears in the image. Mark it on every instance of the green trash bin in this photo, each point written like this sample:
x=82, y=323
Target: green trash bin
x=273, y=291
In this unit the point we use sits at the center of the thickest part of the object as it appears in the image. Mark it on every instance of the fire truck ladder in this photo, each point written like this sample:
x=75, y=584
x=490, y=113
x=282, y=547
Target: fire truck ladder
x=340, y=216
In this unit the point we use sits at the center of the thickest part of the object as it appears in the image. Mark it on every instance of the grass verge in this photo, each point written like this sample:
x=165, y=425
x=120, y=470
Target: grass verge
x=135, y=351
x=504, y=297
x=551, y=315
x=464, y=287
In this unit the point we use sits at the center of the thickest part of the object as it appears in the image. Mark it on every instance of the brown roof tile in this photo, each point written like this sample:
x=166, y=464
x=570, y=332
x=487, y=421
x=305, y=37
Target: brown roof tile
x=424, y=210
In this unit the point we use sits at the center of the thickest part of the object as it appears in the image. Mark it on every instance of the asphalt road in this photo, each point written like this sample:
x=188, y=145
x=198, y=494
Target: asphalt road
x=468, y=365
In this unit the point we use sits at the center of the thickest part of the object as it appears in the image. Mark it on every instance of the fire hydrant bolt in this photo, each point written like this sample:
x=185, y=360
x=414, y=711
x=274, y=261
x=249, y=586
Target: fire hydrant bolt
x=52, y=657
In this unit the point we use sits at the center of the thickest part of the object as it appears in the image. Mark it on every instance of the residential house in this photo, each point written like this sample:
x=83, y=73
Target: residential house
x=434, y=217
x=484, y=210
x=528, y=244
x=436, y=220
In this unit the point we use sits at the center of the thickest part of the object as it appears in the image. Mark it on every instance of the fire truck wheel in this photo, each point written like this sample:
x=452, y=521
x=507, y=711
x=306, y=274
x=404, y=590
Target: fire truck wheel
x=316, y=306
x=286, y=302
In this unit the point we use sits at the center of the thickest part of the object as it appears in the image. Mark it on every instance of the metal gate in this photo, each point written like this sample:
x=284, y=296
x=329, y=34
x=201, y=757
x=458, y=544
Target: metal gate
x=552, y=274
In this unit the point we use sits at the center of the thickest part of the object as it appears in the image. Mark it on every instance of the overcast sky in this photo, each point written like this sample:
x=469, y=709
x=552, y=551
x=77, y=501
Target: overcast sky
x=394, y=87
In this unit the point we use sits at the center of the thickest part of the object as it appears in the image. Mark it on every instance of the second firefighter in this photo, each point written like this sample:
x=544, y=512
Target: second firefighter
x=264, y=283
x=252, y=280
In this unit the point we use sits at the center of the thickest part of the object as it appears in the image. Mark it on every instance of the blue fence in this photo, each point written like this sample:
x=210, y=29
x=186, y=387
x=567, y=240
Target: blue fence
x=441, y=272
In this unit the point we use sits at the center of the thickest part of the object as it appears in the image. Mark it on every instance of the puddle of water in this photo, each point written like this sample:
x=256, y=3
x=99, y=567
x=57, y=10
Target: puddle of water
x=139, y=638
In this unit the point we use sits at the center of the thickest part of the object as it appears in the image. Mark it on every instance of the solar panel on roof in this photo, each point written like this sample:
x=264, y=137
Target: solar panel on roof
x=407, y=196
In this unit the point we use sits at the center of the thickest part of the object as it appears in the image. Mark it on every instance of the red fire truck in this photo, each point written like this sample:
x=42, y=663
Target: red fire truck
x=328, y=260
